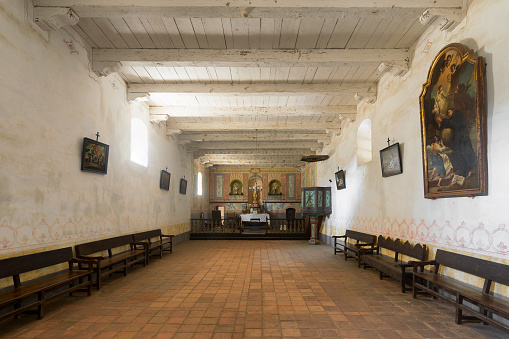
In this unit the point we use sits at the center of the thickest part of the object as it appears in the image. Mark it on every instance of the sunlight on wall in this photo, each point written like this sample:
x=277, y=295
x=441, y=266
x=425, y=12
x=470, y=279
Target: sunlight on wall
x=364, y=153
x=200, y=184
x=139, y=142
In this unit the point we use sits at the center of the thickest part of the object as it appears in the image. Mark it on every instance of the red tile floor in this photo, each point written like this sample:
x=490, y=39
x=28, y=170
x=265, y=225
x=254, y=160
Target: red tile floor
x=243, y=289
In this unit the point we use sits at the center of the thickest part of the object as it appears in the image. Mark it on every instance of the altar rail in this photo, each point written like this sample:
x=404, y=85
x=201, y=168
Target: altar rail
x=234, y=226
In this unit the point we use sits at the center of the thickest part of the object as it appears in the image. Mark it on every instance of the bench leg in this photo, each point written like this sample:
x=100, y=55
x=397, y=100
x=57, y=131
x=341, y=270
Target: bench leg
x=40, y=311
x=459, y=312
x=98, y=279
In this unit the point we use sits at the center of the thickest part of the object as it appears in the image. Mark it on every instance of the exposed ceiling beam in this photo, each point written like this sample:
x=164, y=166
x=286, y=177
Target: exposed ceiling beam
x=252, y=136
x=249, y=58
x=347, y=89
x=262, y=146
x=242, y=125
x=280, y=152
x=246, y=8
x=213, y=111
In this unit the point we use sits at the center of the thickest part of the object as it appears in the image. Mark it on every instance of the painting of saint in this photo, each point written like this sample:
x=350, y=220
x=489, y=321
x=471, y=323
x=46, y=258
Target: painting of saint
x=453, y=125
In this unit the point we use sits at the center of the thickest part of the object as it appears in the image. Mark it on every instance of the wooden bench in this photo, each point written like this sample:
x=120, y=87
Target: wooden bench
x=154, y=241
x=30, y=297
x=487, y=303
x=393, y=266
x=106, y=265
x=363, y=241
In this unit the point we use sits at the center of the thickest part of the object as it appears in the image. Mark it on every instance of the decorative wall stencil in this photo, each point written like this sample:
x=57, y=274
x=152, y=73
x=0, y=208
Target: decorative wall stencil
x=427, y=47
x=114, y=85
x=71, y=47
x=453, y=125
x=219, y=186
x=474, y=238
x=290, y=186
x=30, y=235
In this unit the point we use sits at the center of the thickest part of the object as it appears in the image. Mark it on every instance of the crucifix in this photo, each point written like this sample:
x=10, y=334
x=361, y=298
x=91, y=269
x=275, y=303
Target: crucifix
x=97, y=136
x=388, y=142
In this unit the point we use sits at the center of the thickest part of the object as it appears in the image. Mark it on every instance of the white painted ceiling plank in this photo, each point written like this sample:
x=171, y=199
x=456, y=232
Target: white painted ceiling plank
x=379, y=33
x=109, y=30
x=167, y=75
x=326, y=31
x=282, y=74
x=154, y=74
x=309, y=31
x=172, y=29
x=144, y=75
x=199, y=32
x=130, y=74
x=342, y=32
x=393, y=26
x=289, y=32
x=151, y=33
x=95, y=33
x=266, y=33
x=364, y=32
x=160, y=33
x=223, y=74
x=254, y=32
x=187, y=32
x=227, y=31
x=140, y=32
x=412, y=34
x=240, y=33
x=403, y=27
x=182, y=74
x=213, y=28
x=85, y=36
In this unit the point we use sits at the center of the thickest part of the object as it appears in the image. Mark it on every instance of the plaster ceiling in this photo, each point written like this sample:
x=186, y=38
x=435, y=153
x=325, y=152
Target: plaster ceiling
x=250, y=83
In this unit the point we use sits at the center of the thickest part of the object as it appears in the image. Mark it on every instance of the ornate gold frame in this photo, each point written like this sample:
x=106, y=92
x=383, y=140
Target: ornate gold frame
x=453, y=125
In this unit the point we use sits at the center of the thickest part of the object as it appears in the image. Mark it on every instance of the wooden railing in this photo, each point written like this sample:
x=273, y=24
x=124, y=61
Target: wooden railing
x=284, y=226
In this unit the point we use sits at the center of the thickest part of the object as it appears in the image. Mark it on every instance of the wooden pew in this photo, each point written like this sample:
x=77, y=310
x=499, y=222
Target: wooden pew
x=487, y=303
x=154, y=242
x=353, y=250
x=30, y=296
x=106, y=265
x=392, y=266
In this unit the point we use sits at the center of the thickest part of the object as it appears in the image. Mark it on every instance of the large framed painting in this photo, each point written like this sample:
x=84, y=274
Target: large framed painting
x=390, y=160
x=94, y=156
x=183, y=186
x=453, y=125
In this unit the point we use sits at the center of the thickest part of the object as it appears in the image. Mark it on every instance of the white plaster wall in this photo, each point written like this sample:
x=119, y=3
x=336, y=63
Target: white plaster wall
x=49, y=101
x=395, y=206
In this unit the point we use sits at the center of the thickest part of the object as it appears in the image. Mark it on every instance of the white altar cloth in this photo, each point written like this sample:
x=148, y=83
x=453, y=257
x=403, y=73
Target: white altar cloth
x=262, y=217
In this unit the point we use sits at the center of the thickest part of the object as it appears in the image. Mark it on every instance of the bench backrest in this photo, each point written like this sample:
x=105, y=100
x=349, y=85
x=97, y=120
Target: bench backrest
x=417, y=251
x=482, y=268
x=362, y=237
x=102, y=245
x=146, y=235
x=14, y=266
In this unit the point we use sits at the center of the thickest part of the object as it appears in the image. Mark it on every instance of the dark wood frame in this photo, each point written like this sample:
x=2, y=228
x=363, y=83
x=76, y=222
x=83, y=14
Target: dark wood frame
x=385, y=161
x=470, y=171
x=183, y=186
x=90, y=166
x=164, y=182
x=340, y=179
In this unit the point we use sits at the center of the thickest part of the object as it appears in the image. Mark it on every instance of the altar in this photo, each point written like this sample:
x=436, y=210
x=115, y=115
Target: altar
x=249, y=223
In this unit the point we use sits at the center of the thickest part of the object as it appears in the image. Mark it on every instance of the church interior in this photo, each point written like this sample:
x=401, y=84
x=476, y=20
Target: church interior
x=240, y=142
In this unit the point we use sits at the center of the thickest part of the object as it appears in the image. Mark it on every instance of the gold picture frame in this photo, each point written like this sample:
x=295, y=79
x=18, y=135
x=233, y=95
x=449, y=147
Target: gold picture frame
x=453, y=125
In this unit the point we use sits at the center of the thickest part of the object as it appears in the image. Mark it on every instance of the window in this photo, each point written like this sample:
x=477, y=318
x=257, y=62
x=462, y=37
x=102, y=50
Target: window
x=199, y=183
x=139, y=142
x=364, y=152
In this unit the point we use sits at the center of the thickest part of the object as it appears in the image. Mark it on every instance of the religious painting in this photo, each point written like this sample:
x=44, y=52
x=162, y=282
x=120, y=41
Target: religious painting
x=94, y=156
x=183, y=186
x=164, y=182
x=340, y=179
x=390, y=160
x=453, y=125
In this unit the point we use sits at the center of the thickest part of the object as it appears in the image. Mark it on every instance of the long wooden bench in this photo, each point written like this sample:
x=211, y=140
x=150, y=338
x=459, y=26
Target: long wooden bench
x=154, y=241
x=30, y=297
x=106, y=265
x=486, y=303
x=391, y=264
x=363, y=241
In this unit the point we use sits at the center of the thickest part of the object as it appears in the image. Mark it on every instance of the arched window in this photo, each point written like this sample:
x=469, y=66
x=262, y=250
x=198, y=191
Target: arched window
x=199, y=183
x=139, y=142
x=364, y=152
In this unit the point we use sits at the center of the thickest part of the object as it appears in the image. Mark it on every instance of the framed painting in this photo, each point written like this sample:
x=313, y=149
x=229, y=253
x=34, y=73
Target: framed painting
x=94, y=156
x=390, y=159
x=183, y=186
x=453, y=125
x=164, y=182
x=340, y=179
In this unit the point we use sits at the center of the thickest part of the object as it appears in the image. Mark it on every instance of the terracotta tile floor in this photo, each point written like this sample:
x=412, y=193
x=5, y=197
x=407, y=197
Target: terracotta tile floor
x=241, y=289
